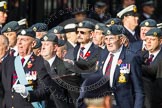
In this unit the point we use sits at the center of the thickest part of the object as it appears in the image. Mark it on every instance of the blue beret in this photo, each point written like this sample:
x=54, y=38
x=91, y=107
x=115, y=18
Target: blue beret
x=39, y=27
x=156, y=32
x=79, y=11
x=38, y=43
x=148, y=23
x=100, y=4
x=57, y=30
x=27, y=32
x=12, y=26
x=114, y=30
x=50, y=37
x=86, y=24
x=148, y=3
x=100, y=26
x=96, y=87
x=113, y=21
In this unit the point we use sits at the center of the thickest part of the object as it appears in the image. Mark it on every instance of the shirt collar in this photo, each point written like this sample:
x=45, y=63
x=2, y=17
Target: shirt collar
x=50, y=61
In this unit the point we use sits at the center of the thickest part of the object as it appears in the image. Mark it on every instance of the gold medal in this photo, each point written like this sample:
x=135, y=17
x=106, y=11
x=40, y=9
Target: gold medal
x=122, y=78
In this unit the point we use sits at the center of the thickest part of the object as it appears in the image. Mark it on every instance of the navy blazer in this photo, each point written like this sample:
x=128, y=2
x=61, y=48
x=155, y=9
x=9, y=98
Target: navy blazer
x=128, y=94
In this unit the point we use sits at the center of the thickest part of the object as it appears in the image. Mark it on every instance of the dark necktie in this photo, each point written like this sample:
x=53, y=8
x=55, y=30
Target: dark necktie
x=12, y=51
x=108, y=68
x=150, y=59
x=81, y=54
x=14, y=76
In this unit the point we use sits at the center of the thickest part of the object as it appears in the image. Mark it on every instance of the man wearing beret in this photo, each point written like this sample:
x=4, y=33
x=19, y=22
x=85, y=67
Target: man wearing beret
x=113, y=21
x=10, y=31
x=122, y=67
x=25, y=78
x=98, y=38
x=145, y=26
x=130, y=22
x=56, y=68
x=3, y=13
x=40, y=29
x=151, y=58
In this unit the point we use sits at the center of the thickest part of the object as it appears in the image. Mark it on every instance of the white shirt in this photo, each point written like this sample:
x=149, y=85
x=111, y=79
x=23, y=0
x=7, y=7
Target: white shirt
x=114, y=64
x=146, y=15
x=26, y=59
x=72, y=43
x=155, y=54
x=16, y=50
x=50, y=61
x=87, y=46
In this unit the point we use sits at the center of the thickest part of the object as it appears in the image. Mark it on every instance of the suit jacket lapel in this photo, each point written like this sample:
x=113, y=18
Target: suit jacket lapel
x=117, y=70
x=76, y=49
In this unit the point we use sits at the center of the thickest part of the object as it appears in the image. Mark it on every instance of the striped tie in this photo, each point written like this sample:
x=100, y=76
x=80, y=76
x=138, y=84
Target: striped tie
x=81, y=54
x=108, y=68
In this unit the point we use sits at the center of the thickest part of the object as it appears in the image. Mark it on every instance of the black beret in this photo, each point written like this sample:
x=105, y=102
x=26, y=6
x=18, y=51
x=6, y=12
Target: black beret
x=57, y=30
x=100, y=26
x=156, y=32
x=12, y=26
x=50, y=37
x=38, y=43
x=114, y=30
x=27, y=32
x=148, y=23
x=148, y=3
x=79, y=11
x=96, y=87
x=113, y=21
x=86, y=24
x=3, y=6
x=39, y=27
x=100, y=4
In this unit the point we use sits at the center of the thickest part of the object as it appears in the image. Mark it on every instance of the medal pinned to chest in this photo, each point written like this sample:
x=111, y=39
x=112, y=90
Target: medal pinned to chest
x=31, y=75
x=124, y=69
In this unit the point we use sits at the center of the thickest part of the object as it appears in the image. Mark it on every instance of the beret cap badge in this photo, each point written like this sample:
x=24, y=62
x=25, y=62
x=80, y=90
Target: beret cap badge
x=45, y=38
x=112, y=22
x=34, y=29
x=8, y=29
x=108, y=32
x=55, y=31
x=23, y=32
x=155, y=34
x=80, y=24
x=146, y=23
x=96, y=27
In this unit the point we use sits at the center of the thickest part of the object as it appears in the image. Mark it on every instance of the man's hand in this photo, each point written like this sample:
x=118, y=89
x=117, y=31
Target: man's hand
x=19, y=88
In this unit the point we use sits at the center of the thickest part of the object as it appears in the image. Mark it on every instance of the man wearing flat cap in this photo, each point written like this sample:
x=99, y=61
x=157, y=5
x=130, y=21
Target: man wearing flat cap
x=123, y=70
x=10, y=30
x=130, y=22
x=3, y=13
x=25, y=78
x=40, y=29
x=151, y=58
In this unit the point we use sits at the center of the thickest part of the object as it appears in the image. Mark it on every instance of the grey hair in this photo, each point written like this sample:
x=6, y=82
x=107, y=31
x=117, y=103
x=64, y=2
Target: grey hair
x=5, y=40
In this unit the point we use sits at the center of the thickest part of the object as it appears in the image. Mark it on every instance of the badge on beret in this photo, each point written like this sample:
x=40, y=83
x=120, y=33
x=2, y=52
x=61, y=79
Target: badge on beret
x=80, y=24
x=108, y=32
x=55, y=31
x=134, y=9
x=5, y=6
x=45, y=38
x=96, y=27
x=155, y=34
x=8, y=29
x=146, y=23
x=34, y=29
x=112, y=22
x=23, y=32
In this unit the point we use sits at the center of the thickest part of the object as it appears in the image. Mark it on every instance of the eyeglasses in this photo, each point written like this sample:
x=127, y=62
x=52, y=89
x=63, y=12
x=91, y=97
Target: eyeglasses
x=81, y=32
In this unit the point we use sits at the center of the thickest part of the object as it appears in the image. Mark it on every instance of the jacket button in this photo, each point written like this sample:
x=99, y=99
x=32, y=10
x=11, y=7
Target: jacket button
x=12, y=107
x=12, y=96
